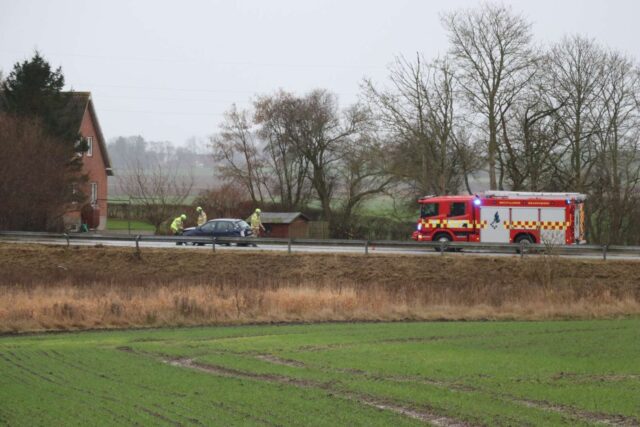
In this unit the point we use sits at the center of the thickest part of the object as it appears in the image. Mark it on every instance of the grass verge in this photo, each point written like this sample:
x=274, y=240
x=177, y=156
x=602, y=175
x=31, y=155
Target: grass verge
x=55, y=288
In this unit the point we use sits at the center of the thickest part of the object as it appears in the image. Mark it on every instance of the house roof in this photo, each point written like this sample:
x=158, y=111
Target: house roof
x=81, y=102
x=281, y=217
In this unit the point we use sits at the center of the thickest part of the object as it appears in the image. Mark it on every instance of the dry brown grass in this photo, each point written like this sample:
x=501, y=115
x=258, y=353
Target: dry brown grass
x=53, y=288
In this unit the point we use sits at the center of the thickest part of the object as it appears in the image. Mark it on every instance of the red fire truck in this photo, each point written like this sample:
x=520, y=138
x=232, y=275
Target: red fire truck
x=503, y=217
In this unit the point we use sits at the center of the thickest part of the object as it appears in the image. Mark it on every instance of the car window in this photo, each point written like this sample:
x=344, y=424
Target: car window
x=242, y=224
x=457, y=209
x=429, y=209
x=207, y=228
x=223, y=226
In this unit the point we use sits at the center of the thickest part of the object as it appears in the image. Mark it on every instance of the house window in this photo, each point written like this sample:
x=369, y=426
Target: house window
x=94, y=193
x=90, y=146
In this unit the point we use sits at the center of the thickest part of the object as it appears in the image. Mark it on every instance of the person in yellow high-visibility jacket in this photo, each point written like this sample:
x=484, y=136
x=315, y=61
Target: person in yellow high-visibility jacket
x=202, y=216
x=256, y=223
x=177, y=226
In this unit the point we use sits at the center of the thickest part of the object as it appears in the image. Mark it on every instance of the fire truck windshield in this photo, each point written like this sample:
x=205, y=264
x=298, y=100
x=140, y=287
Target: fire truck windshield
x=428, y=209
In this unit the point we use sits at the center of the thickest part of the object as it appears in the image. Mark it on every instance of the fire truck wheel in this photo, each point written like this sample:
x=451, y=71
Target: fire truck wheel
x=523, y=239
x=441, y=238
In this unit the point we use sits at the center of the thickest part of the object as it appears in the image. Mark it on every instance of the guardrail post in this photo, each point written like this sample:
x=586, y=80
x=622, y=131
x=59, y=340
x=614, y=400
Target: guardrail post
x=443, y=246
x=213, y=243
x=129, y=218
x=138, y=246
x=522, y=245
x=366, y=247
x=289, y=246
x=604, y=252
x=66, y=236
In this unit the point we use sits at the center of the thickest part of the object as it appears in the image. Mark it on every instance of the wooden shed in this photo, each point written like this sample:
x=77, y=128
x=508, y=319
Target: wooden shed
x=285, y=224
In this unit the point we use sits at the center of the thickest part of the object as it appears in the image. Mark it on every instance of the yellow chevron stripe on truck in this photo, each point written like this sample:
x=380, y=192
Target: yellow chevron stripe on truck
x=509, y=225
x=451, y=223
x=534, y=225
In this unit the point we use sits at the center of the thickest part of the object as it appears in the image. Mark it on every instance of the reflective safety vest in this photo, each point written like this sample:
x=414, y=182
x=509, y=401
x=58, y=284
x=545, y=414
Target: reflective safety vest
x=177, y=225
x=255, y=220
x=202, y=218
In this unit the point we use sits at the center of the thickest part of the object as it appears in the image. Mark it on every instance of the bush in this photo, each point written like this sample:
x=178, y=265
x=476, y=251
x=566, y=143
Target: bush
x=35, y=190
x=226, y=201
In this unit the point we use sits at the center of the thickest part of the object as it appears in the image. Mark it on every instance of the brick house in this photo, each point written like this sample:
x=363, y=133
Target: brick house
x=96, y=165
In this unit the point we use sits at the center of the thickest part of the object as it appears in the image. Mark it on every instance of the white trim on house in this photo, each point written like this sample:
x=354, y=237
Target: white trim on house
x=94, y=193
x=90, y=146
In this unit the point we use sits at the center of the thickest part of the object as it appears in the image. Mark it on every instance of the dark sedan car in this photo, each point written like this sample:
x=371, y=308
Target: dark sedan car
x=224, y=227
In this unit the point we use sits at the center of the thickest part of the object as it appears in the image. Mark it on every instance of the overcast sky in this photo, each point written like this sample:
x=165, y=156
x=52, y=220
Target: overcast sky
x=167, y=70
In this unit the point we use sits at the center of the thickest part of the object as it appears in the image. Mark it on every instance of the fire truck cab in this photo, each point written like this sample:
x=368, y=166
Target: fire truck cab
x=503, y=217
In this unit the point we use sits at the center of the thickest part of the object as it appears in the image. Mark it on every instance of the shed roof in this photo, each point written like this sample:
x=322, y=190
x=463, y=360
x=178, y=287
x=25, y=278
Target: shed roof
x=281, y=217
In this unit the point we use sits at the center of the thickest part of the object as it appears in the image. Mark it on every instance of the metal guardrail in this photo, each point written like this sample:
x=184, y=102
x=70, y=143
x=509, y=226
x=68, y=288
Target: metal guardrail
x=367, y=245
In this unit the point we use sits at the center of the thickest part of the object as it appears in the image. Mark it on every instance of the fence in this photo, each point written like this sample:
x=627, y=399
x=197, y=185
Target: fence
x=365, y=245
x=130, y=210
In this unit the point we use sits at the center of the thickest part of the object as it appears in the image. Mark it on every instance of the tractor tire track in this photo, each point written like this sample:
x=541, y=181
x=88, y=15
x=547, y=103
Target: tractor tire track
x=575, y=413
x=421, y=415
x=158, y=415
x=280, y=361
x=565, y=410
x=427, y=339
x=81, y=366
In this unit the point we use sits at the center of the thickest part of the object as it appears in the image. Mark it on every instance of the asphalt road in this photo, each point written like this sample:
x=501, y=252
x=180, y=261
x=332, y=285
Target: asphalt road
x=309, y=249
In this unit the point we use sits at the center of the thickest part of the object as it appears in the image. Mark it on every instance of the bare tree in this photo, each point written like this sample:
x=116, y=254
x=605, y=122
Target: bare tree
x=492, y=50
x=159, y=188
x=577, y=71
x=298, y=147
x=229, y=200
x=237, y=151
x=276, y=116
x=320, y=137
x=614, y=192
x=528, y=152
x=418, y=115
x=363, y=173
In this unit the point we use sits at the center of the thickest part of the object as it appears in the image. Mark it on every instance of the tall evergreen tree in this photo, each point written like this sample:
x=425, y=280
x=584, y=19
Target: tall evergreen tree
x=38, y=116
x=33, y=89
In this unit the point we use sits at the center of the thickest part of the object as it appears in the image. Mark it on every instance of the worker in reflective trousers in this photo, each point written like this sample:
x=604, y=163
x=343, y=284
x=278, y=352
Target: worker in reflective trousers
x=177, y=226
x=202, y=216
x=256, y=223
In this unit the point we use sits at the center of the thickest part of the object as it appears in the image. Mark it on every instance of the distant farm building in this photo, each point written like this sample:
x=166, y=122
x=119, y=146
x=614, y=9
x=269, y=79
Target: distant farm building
x=285, y=224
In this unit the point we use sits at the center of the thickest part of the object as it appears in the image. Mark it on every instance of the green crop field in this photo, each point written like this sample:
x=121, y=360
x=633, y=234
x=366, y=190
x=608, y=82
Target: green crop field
x=443, y=373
